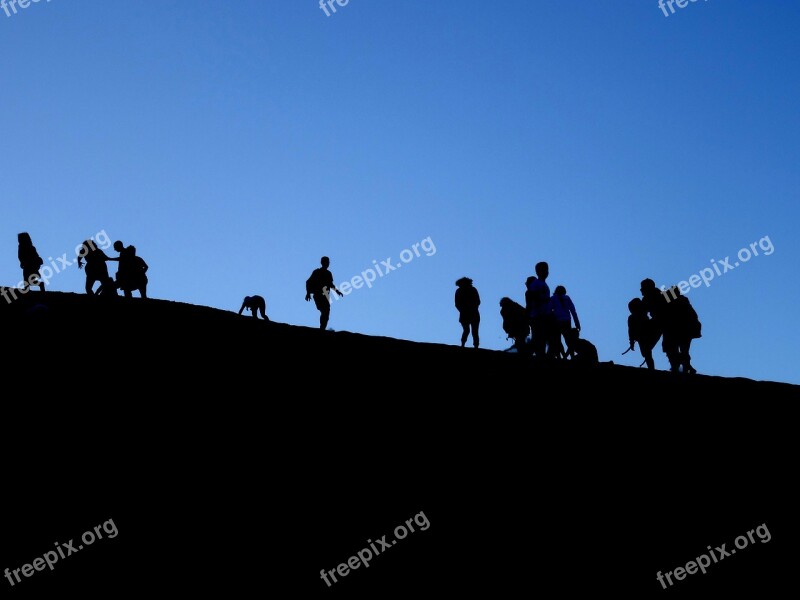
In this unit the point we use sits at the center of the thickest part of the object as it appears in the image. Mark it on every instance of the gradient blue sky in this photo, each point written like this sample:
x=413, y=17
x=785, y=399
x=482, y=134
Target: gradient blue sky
x=234, y=143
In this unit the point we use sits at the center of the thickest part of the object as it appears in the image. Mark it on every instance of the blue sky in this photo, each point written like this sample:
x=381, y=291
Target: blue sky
x=235, y=143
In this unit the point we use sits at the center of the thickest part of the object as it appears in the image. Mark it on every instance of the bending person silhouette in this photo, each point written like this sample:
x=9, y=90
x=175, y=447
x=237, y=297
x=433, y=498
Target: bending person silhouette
x=515, y=322
x=131, y=275
x=255, y=304
x=319, y=285
x=467, y=302
x=96, y=269
x=30, y=262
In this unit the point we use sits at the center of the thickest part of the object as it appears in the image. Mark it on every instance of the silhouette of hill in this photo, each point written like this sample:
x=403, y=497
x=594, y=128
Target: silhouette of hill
x=237, y=454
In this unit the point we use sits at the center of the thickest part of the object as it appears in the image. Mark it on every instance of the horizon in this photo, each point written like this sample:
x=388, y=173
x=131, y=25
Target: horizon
x=416, y=144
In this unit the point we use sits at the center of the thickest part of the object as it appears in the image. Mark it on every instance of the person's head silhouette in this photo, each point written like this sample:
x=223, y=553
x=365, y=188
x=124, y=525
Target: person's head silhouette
x=560, y=290
x=464, y=282
x=648, y=285
x=636, y=306
x=325, y=262
x=119, y=246
x=542, y=270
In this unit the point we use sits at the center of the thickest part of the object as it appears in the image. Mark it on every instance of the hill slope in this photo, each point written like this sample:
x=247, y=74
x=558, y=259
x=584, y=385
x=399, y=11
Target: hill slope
x=232, y=453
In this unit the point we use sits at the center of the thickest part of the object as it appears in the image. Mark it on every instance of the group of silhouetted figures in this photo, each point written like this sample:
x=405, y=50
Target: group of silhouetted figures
x=666, y=314
x=543, y=327
x=131, y=273
x=537, y=329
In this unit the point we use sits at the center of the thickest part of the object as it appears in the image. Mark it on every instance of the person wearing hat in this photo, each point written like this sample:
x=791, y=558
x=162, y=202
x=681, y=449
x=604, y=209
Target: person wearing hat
x=467, y=302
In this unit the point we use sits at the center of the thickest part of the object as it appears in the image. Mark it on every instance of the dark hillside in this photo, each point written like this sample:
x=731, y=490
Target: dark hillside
x=237, y=456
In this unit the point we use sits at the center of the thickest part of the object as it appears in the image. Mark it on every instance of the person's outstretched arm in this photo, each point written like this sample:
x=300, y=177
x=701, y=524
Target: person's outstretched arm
x=574, y=315
x=241, y=310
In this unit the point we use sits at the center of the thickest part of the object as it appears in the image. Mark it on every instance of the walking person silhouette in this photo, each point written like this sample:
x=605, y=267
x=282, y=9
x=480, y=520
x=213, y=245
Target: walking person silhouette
x=642, y=329
x=96, y=268
x=467, y=302
x=319, y=285
x=30, y=262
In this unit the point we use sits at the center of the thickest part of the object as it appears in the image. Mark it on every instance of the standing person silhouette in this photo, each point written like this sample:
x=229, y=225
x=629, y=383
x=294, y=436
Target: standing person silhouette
x=30, y=262
x=564, y=313
x=681, y=326
x=541, y=317
x=96, y=268
x=655, y=303
x=467, y=302
x=255, y=304
x=642, y=329
x=319, y=285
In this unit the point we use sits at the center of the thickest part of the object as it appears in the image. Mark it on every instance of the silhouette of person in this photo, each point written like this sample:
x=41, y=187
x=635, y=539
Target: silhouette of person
x=537, y=296
x=131, y=275
x=642, y=329
x=515, y=322
x=681, y=325
x=30, y=262
x=96, y=268
x=564, y=313
x=319, y=285
x=255, y=304
x=467, y=302
x=585, y=351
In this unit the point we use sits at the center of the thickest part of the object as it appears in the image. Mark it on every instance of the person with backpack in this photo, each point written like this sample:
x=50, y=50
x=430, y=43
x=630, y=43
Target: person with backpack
x=467, y=301
x=515, y=323
x=30, y=262
x=681, y=326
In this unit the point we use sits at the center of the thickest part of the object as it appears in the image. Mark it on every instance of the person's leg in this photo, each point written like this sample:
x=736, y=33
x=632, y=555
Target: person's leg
x=647, y=355
x=475, y=337
x=464, y=333
x=89, y=285
x=670, y=347
x=143, y=291
x=687, y=359
x=324, y=317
